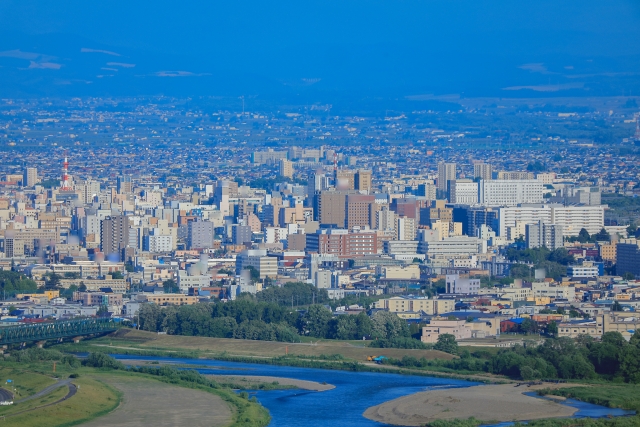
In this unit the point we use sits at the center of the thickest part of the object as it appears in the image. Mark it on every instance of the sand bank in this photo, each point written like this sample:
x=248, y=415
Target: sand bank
x=257, y=379
x=488, y=403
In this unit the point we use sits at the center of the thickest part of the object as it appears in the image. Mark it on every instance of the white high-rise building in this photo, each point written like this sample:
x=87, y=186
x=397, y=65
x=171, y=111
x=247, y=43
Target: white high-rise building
x=386, y=220
x=571, y=218
x=543, y=235
x=446, y=173
x=285, y=168
x=406, y=228
x=463, y=191
x=483, y=171
x=157, y=242
x=509, y=192
x=30, y=177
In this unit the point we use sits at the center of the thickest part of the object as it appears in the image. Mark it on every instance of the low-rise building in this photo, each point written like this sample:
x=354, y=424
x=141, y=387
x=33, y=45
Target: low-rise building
x=458, y=328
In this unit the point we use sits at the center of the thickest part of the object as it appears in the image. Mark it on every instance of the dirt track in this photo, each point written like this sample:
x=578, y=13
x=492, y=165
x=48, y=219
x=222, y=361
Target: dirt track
x=152, y=403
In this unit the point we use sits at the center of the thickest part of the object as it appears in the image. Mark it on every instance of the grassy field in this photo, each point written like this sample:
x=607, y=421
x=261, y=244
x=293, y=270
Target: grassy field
x=130, y=338
x=26, y=382
x=94, y=398
x=144, y=400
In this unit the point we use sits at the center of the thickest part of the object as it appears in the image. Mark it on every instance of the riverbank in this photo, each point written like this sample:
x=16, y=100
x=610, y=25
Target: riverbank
x=499, y=403
x=238, y=347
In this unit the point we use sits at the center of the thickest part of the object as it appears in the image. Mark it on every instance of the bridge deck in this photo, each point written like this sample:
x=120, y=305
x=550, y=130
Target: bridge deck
x=56, y=329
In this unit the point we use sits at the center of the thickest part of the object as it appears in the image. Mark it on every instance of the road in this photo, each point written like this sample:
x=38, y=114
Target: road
x=5, y=395
x=47, y=390
x=72, y=390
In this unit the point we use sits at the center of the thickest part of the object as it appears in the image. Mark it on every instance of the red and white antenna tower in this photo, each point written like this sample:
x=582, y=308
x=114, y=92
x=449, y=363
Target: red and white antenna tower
x=65, y=174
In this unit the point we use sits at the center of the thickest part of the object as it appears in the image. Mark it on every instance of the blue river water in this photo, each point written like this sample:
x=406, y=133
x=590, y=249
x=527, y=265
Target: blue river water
x=354, y=392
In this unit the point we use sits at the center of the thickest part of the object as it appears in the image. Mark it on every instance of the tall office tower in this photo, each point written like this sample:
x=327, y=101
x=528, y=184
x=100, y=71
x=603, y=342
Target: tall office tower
x=30, y=177
x=543, y=235
x=317, y=182
x=13, y=247
x=359, y=210
x=124, y=184
x=285, y=168
x=363, y=180
x=446, y=173
x=200, y=234
x=406, y=228
x=221, y=197
x=88, y=190
x=482, y=171
x=385, y=220
x=330, y=208
x=345, y=180
x=114, y=235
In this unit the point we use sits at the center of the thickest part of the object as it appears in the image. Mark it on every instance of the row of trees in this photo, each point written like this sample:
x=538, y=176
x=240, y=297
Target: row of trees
x=12, y=282
x=250, y=319
x=554, y=262
x=612, y=358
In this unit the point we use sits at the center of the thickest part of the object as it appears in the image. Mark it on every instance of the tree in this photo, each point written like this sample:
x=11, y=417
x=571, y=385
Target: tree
x=520, y=271
x=68, y=293
x=602, y=236
x=315, y=322
x=447, y=343
x=528, y=326
x=255, y=274
x=552, y=328
x=52, y=281
x=583, y=236
x=117, y=275
x=170, y=286
x=12, y=282
x=151, y=317
x=388, y=325
x=628, y=276
x=616, y=306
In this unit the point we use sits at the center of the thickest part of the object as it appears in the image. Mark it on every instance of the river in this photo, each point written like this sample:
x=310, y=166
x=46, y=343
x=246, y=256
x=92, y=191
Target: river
x=354, y=392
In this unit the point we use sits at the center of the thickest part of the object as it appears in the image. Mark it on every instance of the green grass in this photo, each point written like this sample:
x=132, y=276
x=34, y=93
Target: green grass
x=54, y=396
x=625, y=396
x=92, y=400
x=26, y=382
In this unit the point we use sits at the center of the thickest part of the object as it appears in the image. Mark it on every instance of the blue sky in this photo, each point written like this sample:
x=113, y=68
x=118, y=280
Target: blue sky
x=399, y=48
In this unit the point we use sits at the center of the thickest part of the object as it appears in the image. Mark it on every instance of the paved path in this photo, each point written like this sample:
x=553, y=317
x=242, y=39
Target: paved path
x=5, y=395
x=45, y=391
x=72, y=391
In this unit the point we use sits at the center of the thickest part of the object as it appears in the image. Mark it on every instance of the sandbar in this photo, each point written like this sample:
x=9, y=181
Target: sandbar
x=500, y=403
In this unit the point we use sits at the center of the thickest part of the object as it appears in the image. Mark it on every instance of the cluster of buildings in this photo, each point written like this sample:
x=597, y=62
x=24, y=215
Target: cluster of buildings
x=162, y=207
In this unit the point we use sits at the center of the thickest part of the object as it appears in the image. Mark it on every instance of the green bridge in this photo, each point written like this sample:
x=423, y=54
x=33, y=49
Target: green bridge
x=56, y=329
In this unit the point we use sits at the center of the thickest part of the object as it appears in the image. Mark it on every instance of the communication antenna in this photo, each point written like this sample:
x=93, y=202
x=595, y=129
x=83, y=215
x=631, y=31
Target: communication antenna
x=65, y=173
